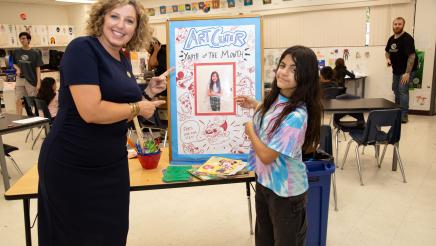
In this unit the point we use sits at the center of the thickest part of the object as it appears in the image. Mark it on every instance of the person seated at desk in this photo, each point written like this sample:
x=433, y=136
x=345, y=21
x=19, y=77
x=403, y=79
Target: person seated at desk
x=158, y=59
x=49, y=94
x=326, y=78
x=341, y=71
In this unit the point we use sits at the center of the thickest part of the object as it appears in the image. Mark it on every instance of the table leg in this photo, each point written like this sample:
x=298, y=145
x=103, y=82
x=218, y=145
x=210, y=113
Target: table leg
x=250, y=215
x=3, y=166
x=27, y=229
x=394, y=159
x=363, y=87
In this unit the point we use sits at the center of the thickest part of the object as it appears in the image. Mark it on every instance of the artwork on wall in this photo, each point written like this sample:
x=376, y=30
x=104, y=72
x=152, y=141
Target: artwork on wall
x=214, y=60
x=8, y=35
x=417, y=81
x=42, y=35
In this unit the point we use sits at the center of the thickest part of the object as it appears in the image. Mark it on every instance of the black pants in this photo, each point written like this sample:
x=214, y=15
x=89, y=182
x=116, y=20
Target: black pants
x=280, y=221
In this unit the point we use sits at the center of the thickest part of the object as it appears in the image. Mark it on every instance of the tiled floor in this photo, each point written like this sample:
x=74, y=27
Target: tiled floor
x=383, y=212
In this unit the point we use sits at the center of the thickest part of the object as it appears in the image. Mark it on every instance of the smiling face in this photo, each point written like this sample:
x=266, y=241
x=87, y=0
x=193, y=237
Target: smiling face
x=214, y=77
x=119, y=27
x=285, y=76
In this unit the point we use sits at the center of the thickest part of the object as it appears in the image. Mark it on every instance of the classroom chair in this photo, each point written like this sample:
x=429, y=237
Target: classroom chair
x=325, y=143
x=42, y=110
x=29, y=106
x=7, y=150
x=346, y=122
x=376, y=133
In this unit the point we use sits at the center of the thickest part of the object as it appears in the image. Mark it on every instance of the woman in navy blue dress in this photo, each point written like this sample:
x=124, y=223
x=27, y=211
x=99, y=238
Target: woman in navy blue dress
x=84, y=177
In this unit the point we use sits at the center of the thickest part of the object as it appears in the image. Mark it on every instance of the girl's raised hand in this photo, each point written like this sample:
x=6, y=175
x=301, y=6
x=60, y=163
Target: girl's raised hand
x=246, y=102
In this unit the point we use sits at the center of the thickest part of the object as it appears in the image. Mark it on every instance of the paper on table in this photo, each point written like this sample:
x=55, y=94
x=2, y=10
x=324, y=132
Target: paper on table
x=29, y=120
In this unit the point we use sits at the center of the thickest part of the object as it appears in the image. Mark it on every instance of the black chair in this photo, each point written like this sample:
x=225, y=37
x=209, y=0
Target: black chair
x=7, y=150
x=325, y=143
x=346, y=122
x=332, y=92
x=42, y=110
x=29, y=106
x=375, y=134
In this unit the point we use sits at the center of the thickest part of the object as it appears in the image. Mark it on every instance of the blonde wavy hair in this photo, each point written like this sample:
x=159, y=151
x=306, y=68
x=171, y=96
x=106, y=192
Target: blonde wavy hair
x=141, y=37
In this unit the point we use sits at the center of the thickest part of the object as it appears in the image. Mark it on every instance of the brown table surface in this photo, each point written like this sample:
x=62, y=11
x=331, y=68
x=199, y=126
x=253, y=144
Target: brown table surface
x=140, y=179
x=26, y=187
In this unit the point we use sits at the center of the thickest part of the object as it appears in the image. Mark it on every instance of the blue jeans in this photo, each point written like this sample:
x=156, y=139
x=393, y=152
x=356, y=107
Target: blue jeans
x=401, y=92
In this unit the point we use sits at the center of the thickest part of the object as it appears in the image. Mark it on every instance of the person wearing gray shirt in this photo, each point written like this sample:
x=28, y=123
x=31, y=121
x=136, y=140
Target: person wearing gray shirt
x=27, y=62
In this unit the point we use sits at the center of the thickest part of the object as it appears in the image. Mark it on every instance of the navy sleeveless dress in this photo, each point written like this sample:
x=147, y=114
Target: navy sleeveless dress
x=83, y=196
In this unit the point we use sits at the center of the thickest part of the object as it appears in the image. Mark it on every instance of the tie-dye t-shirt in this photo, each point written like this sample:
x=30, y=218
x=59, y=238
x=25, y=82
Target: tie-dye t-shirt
x=286, y=176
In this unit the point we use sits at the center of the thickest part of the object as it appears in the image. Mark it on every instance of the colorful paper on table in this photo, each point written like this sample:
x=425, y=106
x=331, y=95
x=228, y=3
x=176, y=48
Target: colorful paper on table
x=176, y=174
x=205, y=176
x=221, y=166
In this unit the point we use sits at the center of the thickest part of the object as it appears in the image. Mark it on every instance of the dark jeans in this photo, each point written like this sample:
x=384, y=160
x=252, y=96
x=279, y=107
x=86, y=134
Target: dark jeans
x=402, y=92
x=280, y=221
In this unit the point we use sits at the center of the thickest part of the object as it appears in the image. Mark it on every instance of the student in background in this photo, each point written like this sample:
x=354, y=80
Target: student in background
x=326, y=78
x=84, y=189
x=27, y=63
x=285, y=125
x=48, y=92
x=341, y=71
x=215, y=91
x=158, y=59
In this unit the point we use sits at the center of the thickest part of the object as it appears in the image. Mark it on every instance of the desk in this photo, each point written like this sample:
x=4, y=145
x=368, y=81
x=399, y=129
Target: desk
x=359, y=86
x=7, y=126
x=360, y=106
x=26, y=187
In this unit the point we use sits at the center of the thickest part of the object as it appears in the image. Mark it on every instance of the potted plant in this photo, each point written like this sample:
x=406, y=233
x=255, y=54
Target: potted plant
x=149, y=154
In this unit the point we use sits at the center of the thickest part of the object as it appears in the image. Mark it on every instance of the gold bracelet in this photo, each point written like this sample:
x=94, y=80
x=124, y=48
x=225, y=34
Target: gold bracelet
x=134, y=110
x=137, y=109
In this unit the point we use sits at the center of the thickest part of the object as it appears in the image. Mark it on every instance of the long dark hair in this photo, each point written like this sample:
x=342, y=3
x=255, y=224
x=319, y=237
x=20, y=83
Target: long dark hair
x=307, y=91
x=340, y=63
x=46, y=91
x=218, y=84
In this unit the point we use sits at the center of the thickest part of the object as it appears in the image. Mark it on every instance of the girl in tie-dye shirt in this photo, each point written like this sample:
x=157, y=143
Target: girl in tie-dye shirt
x=285, y=125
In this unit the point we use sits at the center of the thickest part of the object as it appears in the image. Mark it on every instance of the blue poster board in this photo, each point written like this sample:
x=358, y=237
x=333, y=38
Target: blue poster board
x=214, y=60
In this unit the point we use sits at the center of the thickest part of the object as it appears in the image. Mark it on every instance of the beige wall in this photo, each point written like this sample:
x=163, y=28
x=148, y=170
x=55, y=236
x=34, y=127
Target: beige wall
x=425, y=40
x=36, y=14
x=77, y=16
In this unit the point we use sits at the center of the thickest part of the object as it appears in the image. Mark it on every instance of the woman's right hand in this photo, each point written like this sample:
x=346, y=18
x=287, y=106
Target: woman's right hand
x=246, y=102
x=147, y=108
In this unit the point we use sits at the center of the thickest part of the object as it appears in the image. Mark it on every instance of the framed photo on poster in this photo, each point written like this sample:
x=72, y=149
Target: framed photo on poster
x=215, y=60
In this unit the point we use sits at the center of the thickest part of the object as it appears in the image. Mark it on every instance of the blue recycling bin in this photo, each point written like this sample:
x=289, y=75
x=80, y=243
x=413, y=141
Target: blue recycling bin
x=319, y=175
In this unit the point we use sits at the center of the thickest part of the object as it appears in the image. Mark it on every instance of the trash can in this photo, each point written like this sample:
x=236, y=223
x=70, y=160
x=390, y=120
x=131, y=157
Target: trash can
x=319, y=175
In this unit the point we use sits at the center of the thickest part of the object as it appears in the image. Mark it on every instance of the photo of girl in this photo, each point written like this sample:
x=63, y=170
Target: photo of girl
x=215, y=91
x=215, y=88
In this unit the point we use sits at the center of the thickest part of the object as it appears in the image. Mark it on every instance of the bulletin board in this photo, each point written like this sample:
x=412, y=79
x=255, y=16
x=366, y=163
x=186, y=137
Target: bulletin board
x=204, y=51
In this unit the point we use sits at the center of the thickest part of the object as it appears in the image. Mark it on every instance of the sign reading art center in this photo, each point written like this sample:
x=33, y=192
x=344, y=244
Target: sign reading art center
x=215, y=60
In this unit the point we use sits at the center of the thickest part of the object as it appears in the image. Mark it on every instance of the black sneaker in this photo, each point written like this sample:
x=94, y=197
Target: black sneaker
x=405, y=119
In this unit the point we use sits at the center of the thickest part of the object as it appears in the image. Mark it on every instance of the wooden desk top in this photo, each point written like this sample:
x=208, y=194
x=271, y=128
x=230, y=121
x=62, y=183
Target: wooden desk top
x=140, y=179
x=357, y=105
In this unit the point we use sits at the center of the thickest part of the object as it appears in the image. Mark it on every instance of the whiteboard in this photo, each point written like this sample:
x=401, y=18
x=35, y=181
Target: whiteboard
x=231, y=49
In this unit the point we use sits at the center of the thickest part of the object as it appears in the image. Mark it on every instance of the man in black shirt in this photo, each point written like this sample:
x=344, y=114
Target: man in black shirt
x=400, y=54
